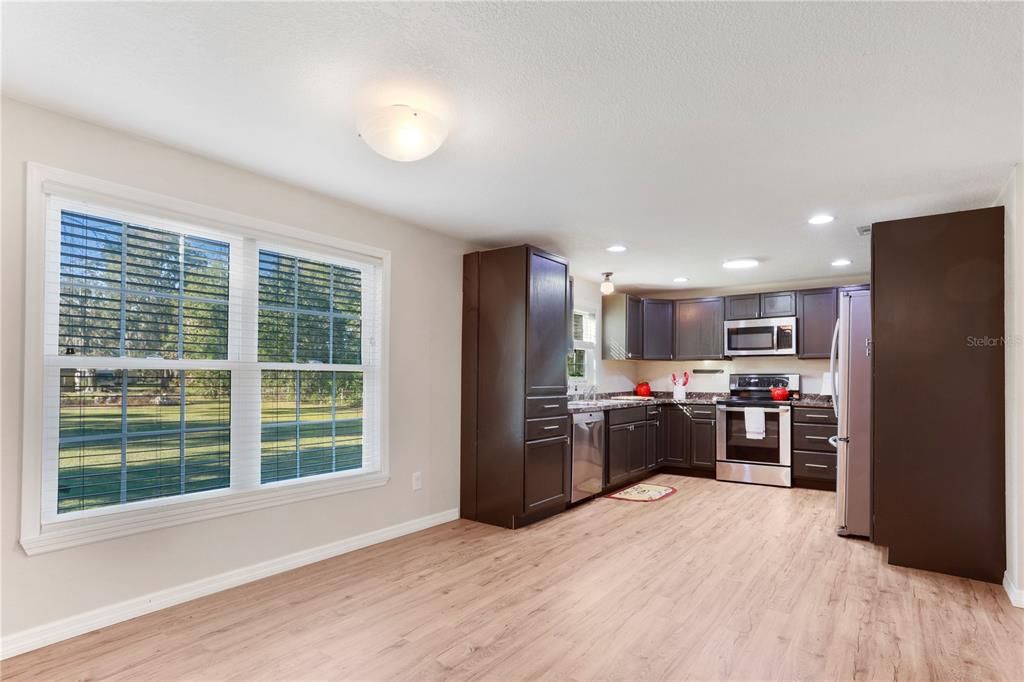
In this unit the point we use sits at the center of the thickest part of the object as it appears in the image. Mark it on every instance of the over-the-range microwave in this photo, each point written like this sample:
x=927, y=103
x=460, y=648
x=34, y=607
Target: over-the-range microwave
x=768, y=336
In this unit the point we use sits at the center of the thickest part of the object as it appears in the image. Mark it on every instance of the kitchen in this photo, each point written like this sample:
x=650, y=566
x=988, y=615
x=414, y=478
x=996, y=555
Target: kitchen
x=824, y=409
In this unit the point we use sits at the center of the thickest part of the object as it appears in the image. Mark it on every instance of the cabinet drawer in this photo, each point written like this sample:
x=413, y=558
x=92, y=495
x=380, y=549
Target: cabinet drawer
x=814, y=415
x=701, y=411
x=813, y=437
x=547, y=428
x=654, y=412
x=627, y=415
x=814, y=465
x=547, y=407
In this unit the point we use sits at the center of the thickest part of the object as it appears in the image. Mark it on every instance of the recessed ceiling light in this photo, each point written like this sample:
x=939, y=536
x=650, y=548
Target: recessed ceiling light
x=741, y=263
x=821, y=219
x=841, y=262
x=616, y=248
x=680, y=280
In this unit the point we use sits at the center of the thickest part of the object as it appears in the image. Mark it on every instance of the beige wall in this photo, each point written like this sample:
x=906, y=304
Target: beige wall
x=1012, y=198
x=424, y=359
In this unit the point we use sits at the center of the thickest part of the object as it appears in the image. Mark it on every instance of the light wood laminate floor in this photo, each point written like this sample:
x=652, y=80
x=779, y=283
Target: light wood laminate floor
x=720, y=581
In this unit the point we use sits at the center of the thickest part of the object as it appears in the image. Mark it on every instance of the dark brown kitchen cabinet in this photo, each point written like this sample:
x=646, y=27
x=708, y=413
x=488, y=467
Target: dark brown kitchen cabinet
x=778, y=304
x=622, y=326
x=547, y=312
x=547, y=473
x=702, y=444
x=677, y=436
x=658, y=329
x=817, y=312
x=655, y=439
x=627, y=451
x=699, y=329
x=745, y=307
x=753, y=306
x=938, y=465
x=515, y=458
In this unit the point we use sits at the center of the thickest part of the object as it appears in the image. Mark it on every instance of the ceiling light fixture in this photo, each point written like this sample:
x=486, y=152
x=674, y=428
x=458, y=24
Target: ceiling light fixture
x=821, y=219
x=741, y=263
x=680, y=280
x=401, y=133
x=616, y=248
x=841, y=262
x=606, y=286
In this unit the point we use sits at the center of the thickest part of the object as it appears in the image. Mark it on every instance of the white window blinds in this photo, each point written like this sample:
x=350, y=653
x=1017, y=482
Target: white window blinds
x=183, y=360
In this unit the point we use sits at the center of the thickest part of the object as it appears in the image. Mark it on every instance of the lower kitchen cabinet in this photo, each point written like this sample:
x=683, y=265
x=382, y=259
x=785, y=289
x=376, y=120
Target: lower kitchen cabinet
x=627, y=451
x=547, y=474
x=702, y=444
x=653, y=442
x=677, y=436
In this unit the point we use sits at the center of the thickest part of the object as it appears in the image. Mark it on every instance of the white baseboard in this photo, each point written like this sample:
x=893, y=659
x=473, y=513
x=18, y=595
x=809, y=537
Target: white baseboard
x=1015, y=593
x=42, y=635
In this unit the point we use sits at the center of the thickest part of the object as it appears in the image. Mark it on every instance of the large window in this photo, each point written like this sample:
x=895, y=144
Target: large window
x=183, y=361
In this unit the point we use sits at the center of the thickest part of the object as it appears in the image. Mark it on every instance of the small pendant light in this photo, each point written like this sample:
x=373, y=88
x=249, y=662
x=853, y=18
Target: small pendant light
x=606, y=286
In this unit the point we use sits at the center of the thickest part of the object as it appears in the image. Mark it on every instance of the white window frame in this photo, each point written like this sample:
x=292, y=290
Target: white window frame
x=589, y=379
x=49, y=189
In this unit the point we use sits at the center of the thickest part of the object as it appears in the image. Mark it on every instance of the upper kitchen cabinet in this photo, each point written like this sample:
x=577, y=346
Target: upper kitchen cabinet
x=818, y=311
x=623, y=327
x=700, y=329
x=746, y=307
x=753, y=306
x=547, y=313
x=778, y=304
x=657, y=335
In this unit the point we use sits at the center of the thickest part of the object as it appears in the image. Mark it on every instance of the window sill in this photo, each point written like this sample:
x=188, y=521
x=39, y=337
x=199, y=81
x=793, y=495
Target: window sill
x=62, y=534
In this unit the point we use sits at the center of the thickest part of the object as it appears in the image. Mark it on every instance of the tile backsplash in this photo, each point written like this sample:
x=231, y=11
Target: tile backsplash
x=659, y=374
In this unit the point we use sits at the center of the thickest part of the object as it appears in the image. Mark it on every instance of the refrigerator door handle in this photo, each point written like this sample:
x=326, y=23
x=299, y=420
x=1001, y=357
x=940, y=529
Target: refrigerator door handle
x=832, y=357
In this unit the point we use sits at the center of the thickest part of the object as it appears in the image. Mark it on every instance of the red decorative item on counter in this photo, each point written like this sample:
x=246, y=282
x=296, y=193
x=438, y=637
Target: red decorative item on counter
x=780, y=393
x=643, y=389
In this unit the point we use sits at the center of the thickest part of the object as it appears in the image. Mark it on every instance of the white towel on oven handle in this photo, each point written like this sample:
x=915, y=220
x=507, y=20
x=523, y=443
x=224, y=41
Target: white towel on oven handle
x=753, y=422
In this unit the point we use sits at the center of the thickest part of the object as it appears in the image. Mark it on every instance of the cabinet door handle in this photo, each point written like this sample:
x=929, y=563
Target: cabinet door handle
x=816, y=437
x=550, y=407
x=550, y=428
x=818, y=416
x=817, y=466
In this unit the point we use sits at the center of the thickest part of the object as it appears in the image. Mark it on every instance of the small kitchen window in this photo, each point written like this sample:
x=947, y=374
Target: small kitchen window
x=581, y=362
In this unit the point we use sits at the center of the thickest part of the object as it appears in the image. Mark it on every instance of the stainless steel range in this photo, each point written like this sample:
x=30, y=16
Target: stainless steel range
x=754, y=443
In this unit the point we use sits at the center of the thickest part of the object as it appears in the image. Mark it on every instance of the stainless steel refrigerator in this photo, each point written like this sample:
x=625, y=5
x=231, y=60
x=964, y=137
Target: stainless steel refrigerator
x=850, y=367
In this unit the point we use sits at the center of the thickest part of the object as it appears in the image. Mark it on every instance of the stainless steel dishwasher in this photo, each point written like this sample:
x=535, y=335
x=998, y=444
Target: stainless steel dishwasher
x=587, y=455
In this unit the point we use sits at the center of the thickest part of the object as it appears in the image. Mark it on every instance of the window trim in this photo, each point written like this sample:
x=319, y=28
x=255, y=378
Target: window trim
x=38, y=536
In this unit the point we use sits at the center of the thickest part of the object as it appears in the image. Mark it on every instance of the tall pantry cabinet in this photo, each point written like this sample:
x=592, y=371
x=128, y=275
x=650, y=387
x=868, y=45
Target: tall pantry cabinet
x=516, y=427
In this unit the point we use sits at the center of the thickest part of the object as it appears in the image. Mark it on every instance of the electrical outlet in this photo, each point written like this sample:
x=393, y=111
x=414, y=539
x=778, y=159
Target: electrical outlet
x=417, y=480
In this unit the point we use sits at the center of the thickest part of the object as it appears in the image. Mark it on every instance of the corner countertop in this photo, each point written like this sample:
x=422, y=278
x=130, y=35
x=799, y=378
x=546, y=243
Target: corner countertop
x=619, y=401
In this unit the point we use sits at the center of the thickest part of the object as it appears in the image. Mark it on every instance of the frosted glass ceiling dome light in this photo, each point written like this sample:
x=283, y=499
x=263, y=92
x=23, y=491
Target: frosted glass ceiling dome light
x=606, y=286
x=740, y=263
x=821, y=219
x=401, y=133
x=841, y=262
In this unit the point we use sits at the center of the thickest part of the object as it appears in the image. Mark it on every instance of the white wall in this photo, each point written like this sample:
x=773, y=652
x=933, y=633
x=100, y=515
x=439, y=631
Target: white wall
x=1012, y=197
x=424, y=357
x=612, y=376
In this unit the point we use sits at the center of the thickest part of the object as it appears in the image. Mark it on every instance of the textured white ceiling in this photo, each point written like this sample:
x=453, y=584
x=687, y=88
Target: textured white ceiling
x=689, y=132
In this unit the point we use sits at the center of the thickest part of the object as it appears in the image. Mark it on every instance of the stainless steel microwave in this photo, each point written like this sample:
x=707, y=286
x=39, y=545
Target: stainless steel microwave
x=768, y=336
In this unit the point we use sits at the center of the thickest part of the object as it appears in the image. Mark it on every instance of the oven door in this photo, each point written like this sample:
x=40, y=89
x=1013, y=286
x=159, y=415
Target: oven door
x=733, y=446
x=750, y=337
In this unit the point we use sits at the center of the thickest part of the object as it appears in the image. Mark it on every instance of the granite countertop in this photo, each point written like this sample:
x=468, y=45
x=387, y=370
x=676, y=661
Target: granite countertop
x=606, y=401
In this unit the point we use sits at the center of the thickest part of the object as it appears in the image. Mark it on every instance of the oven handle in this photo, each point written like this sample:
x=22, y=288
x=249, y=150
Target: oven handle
x=780, y=408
